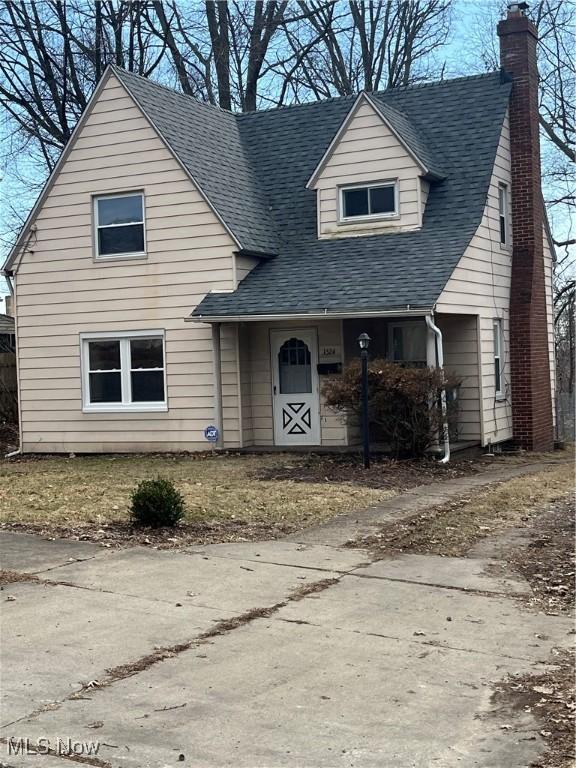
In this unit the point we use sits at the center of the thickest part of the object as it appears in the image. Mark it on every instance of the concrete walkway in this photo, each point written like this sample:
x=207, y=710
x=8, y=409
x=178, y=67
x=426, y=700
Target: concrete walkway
x=269, y=654
x=349, y=527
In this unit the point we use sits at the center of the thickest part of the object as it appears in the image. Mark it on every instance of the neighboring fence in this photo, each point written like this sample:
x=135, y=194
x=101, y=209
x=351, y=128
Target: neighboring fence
x=8, y=389
x=565, y=418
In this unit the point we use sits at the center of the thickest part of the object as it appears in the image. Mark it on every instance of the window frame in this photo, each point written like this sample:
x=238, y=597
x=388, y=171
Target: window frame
x=402, y=325
x=126, y=405
x=497, y=336
x=503, y=218
x=96, y=226
x=370, y=216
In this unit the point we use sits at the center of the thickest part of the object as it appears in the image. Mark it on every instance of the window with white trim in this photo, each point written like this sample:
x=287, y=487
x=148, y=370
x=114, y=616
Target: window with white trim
x=368, y=201
x=498, y=377
x=503, y=212
x=124, y=371
x=119, y=224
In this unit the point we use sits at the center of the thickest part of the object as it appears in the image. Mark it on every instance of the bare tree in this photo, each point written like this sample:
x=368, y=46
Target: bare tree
x=343, y=47
x=556, y=21
x=52, y=54
x=239, y=54
x=226, y=51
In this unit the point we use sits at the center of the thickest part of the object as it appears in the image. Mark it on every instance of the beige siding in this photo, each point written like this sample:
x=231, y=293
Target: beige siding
x=257, y=395
x=368, y=152
x=244, y=265
x=480, y=285
x=244, y=357
x=548, y=277
x=424, y=192
x=460, y=337
x=62, y=292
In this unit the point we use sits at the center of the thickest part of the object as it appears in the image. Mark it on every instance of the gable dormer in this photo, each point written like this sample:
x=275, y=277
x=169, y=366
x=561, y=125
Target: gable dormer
x=371, y=180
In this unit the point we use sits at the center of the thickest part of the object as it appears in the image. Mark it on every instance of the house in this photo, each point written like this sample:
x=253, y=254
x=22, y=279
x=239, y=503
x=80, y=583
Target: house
x=188, y=268
x=7, y=333
x=8, y=384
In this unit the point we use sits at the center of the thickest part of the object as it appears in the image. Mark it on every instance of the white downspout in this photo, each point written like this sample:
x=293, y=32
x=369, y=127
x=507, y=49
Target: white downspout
x=440, y=364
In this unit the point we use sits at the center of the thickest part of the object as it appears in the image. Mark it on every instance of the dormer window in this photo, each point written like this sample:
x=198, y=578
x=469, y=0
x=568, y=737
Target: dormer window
x=369, y=201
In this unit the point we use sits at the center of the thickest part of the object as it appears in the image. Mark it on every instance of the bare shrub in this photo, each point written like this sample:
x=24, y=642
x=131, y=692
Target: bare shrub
x=404, y=403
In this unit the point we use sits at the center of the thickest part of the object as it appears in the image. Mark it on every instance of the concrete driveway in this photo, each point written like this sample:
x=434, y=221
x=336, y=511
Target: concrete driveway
x=264, y=655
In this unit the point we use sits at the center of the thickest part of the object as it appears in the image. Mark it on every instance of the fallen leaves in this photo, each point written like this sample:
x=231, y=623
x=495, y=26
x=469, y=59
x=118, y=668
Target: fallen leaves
x=550, y=697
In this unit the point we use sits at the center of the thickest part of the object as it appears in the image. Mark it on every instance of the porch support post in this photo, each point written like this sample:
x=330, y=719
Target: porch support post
x=217, y=366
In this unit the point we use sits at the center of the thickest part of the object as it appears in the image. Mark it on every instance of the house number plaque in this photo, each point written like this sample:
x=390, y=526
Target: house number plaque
x=330, y=353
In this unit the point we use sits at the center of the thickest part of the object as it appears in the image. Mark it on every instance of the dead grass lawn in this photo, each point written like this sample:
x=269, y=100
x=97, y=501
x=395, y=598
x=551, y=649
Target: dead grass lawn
x=96, y=490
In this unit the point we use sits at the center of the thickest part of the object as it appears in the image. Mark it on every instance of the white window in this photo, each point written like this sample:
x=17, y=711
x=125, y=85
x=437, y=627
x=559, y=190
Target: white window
x=503, y=212
x=498, y=378
x=124, y=371
x=369, y=201
x=407, y=343
x=119, y=225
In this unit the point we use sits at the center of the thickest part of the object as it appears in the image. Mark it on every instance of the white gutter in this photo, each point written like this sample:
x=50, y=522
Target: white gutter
x=408, y=312
x=440, y=364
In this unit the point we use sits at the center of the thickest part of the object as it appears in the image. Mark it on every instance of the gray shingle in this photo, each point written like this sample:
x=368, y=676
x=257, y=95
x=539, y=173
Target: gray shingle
x=254, y=168
x=412, y=137
x=207, y=141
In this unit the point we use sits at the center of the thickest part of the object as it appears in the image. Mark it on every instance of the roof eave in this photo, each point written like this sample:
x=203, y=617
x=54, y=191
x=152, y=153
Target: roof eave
x=251, y=253
x=408, y=311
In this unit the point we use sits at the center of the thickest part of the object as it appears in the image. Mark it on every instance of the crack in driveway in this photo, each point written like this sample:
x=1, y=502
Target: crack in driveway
x=222, y=627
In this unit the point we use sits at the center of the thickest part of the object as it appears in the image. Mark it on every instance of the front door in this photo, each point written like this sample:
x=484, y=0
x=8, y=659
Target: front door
x=295, y=394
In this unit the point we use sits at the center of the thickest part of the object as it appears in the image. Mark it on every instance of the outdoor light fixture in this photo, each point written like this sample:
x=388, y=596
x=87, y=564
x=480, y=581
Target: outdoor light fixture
x=364, y=342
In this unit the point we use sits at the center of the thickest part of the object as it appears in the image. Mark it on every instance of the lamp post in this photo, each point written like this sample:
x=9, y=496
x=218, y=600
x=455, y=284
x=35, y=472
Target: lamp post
x=364, y=341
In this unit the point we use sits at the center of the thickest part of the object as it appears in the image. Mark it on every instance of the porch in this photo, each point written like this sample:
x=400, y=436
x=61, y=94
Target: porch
x=283, y=365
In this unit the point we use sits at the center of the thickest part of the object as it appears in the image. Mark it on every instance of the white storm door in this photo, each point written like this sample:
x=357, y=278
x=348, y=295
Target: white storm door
x=295, y=395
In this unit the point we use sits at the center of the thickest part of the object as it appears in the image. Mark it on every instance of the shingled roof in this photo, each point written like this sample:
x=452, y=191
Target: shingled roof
x=207, y=141
x=254, y=168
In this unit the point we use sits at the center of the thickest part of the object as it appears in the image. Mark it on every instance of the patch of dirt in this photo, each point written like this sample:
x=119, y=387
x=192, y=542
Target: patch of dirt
x=550, y=697
x=12, y=577
x=310, y=589
x=122, y=534
x=384, y=473
x=547, y=560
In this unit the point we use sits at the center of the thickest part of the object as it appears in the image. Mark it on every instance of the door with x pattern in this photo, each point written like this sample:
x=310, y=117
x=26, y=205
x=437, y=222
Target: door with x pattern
x=295, y=392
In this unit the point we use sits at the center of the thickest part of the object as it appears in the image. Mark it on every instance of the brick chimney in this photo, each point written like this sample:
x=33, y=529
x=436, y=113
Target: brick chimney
x=529, y=354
